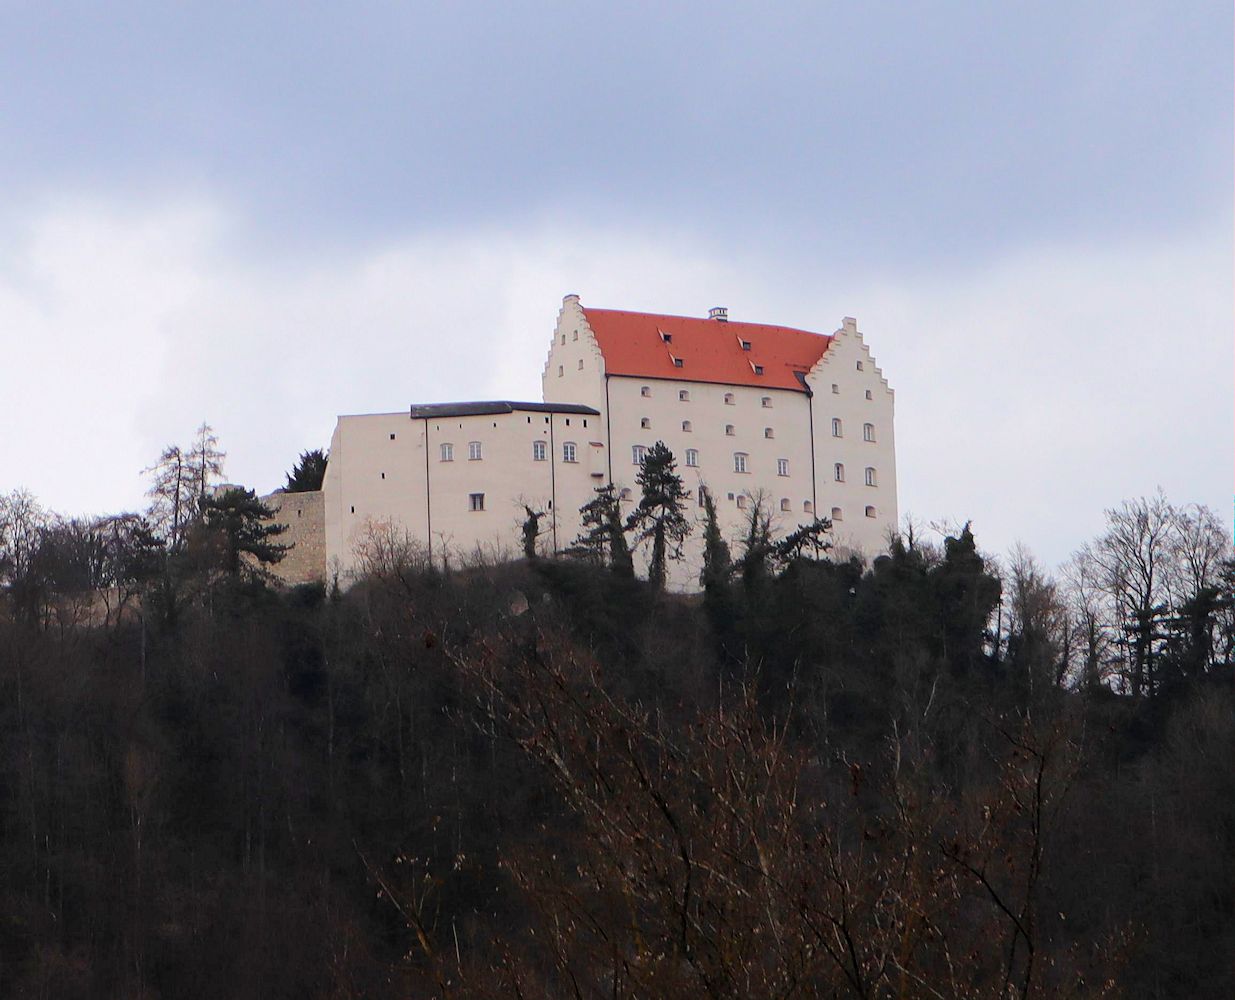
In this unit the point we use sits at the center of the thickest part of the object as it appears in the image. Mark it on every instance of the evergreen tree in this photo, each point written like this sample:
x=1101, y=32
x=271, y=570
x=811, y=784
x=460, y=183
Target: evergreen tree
x=659, y=516
x=243, y=523
x=717, y=561
x=603, y=536
x=308, y=472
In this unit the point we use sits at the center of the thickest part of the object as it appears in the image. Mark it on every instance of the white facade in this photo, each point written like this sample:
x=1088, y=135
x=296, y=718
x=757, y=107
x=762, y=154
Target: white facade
x=819, y=442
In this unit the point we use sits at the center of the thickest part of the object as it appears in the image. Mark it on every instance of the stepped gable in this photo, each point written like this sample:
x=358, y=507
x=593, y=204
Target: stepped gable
x=648, y=345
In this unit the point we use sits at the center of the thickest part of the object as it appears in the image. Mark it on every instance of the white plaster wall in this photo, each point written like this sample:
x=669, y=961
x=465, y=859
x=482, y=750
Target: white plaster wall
x=709, y=415
x=574, y=370
x=839, y=367
x=372, y=477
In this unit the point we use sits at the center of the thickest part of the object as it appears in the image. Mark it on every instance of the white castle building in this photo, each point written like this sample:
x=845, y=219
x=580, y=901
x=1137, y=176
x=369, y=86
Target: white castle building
x=801, y=419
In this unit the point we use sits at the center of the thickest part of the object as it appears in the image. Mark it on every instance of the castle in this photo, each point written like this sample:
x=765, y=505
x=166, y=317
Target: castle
x=802, y=420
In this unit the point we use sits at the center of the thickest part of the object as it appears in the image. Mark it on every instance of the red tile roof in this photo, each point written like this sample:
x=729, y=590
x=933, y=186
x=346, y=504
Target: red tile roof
x=709, y=350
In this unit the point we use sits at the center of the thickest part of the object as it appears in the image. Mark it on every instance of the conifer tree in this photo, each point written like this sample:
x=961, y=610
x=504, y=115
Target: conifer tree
x=604, y=537
x=244, y=524
x=308, y=472
x=659, y=516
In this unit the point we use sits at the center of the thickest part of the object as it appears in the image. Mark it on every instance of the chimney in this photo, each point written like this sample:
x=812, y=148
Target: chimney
x=719, y=313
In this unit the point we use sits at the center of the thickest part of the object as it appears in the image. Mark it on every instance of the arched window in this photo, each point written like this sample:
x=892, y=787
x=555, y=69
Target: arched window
x=569, y=452
x=474, y=453
x=741, y=501
x=448, y=452
x=870, y=511
x=692, y=458
x=837, y=429
x=868, y=432
x=728, y=399
x=784, y=504
x=808, y=507
x=645, y=423
x=766, y=402
x=739, y=461
x=638, y=453
x=837, y=514
x=838, y=472
x=686, y=426
x=540, y=451
x=645, y=391
x=625, y=495
x=870, y=476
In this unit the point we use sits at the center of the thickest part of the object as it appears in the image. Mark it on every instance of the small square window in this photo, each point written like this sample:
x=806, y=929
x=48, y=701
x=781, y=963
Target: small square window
x=645, y=391
x=837, y=514
x=766, y=402
x=859, y=366
x=683, y=396
x=677, y=363
x=728, y=399
x=768, y=432
x=686, y=426
x=476, y=501
x=729, y=430
x=758, y=369
x=392, y=437
x=870, y=511
x=868, y=394
x=645, y=423
x=785, y=505
x=835, y=389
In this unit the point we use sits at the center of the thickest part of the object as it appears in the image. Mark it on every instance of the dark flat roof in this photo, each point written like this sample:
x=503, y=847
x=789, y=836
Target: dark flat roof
x=480, y=409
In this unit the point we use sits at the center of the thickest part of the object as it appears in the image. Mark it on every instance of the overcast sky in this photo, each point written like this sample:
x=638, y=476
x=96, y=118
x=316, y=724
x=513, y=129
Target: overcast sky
x=264, y=215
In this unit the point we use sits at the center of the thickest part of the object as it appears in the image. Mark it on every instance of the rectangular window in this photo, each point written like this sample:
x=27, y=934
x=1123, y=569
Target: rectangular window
x=539, y=451
x=766, y=402
x=739, y=461
x=870, y=477
x=868, y=394
x=692, y=458
x=473, y=451
x=782, y=466
x=476, y=501
x=868, y=432
x=638, y=453
x=448, y=452
x=684, y=395
x=837, y=429
x=568, y=452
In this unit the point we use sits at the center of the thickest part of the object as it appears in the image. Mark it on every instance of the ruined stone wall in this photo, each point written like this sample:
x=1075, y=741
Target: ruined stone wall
x=304, y=515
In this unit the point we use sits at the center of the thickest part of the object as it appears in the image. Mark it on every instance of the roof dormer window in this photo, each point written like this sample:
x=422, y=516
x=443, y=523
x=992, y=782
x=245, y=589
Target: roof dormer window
x=678, y=362
x=758, y=369
x=745, y=344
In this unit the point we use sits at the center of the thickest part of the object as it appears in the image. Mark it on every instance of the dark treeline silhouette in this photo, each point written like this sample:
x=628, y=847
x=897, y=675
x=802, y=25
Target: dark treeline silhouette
x=933, y=776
